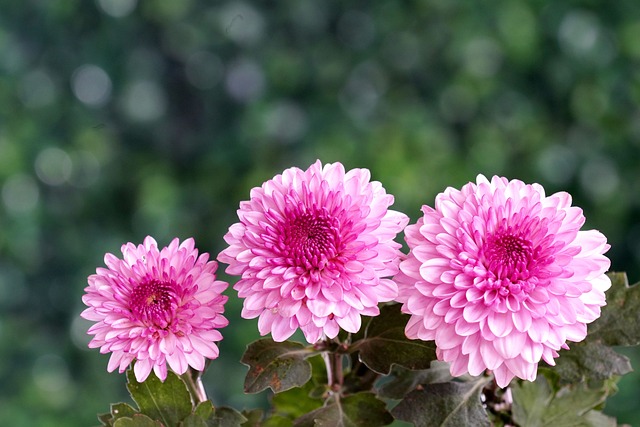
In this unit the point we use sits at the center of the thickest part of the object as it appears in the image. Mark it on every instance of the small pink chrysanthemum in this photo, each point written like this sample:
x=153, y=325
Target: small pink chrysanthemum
x=500, y=276
x=313, y=248
x=157, y=307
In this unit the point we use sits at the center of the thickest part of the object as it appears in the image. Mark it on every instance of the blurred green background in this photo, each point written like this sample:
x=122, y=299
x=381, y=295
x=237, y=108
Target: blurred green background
x=120, y=119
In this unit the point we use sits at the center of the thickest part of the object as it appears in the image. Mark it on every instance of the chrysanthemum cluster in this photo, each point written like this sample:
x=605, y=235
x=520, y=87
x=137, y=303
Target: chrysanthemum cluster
x=500, y=276
x=156, y=307
x=313, y=249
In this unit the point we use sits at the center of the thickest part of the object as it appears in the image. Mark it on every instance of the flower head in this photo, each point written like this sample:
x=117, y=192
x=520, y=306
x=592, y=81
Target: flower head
x=500, y=276
x=158, y=307
x=313, y=248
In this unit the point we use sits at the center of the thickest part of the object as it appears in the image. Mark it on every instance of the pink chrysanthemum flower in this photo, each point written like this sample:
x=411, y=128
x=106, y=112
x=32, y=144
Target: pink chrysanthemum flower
x=313, y=248
x=500, y=276
x=157, y=307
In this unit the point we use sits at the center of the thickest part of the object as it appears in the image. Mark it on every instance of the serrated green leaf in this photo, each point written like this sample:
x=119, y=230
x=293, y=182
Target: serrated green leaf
x=450, y=404
x=296, y=402
x=590, y=361
x=205, y=415
x=138, y=420
x=619, y=323
x=535, y=404
x=385, y=343
x=194, y=420
x=106, y=419
x=204, y=409
x=228, y=417
x=168, y=402
x=276, y=365
x=202, y=416
x=254, y=418
x=119, y=410
x=358, y=410
x=405, y=380
x=593, y=358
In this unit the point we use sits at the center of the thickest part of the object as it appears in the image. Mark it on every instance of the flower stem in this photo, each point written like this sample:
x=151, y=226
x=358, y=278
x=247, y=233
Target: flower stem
x=193, y=381
x=333, y=361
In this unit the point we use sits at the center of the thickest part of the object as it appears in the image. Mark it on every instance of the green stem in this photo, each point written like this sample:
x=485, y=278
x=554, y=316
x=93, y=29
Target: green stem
x=193, y=380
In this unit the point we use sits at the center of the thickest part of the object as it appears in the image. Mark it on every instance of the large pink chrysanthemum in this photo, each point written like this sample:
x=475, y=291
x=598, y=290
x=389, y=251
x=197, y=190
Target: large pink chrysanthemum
x=312, y=248
x=500, y=276
x=157, y=307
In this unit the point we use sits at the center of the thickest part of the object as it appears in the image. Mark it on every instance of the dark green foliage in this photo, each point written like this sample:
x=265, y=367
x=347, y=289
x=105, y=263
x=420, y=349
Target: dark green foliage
x=594, y=358
x=404, y=380
x=384, y=343
x=357, y=410
x=137, y=420
x=167, y=404
x=539, y=404
x=448, y=404
x=619, y=323
x=278, y=366
x=167, y=401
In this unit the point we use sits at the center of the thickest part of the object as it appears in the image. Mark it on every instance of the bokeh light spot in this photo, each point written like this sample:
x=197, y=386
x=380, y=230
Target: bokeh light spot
x=36, y=89
x=51, y=376
x=91, y=85
x=245, y=80
x=78, y=332
x=144, y=101
x=117, y=8
x=482, y=57
x=286, y=121
x=20, y=194
x=557, y=164
x=242, y=23
x=599, y=178
x=53, y=166
x=204, y=70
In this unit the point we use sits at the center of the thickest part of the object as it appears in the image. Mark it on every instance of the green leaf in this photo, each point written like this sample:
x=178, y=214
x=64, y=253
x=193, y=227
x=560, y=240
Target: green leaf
x=593, y=358
x=536, y=404
x=168, y=402
x=296, y=402
x=450, y=404
x=228, y=417
x=253, y=418
x=277, y=421
x=590, y=360
x=205, y=415
x=138, y=420
x=276, y=365
x=385, y=343
x=204, y=409
x=619, y=323
x=404, y=380
x=106, y=419
x=357, y=410
x=119, y=410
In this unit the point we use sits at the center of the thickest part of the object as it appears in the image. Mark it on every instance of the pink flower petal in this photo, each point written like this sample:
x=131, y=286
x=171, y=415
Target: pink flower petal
x=144, y=301
x=501, y=275
x=321, y=236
